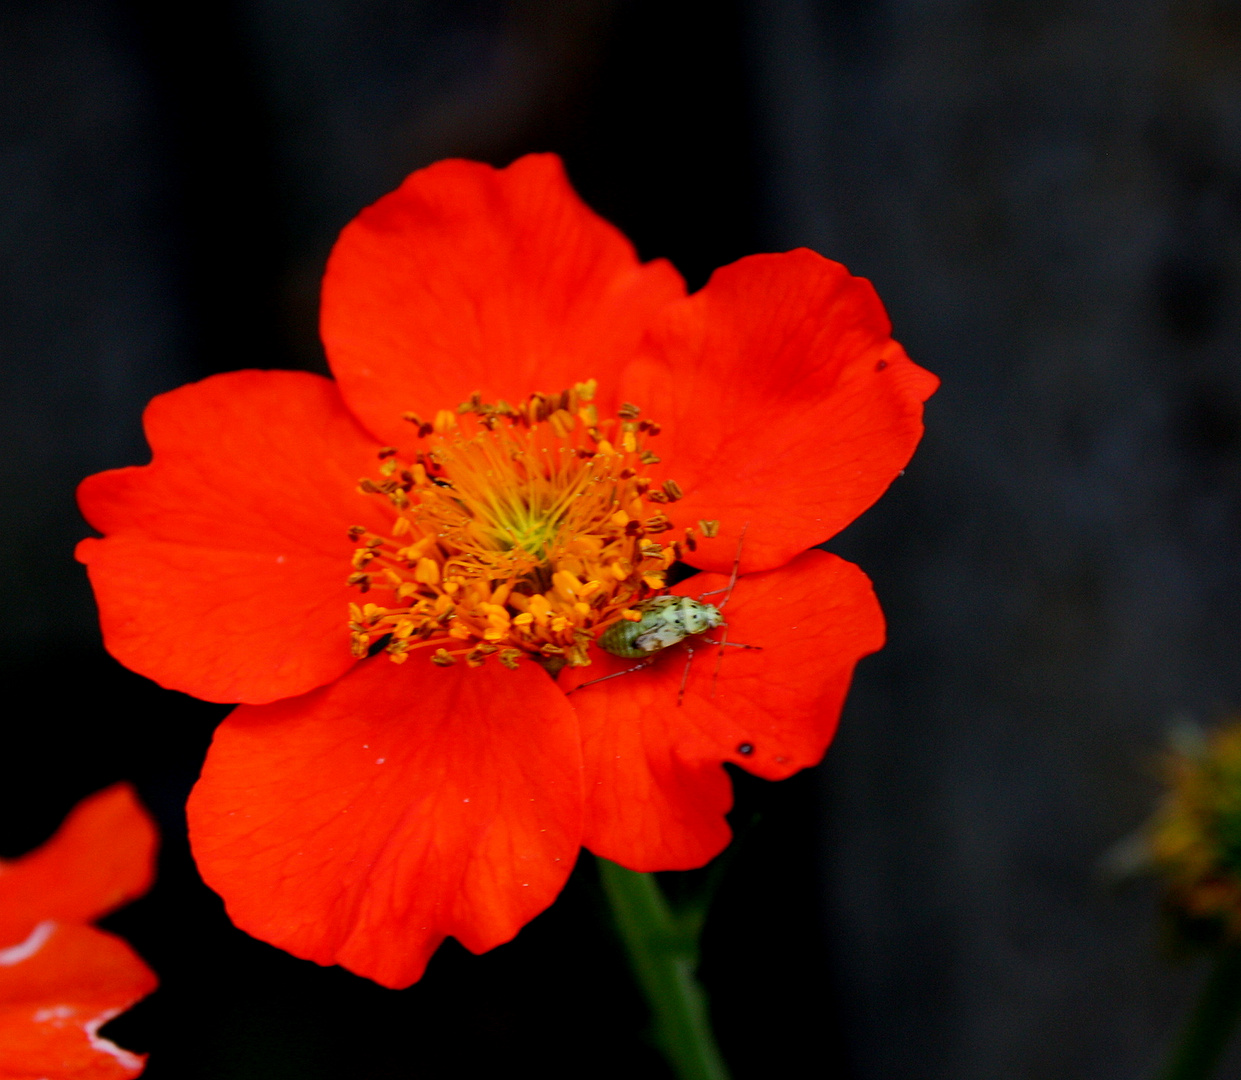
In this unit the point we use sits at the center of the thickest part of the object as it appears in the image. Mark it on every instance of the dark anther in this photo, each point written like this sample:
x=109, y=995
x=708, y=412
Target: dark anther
x=745, y=749
x=881, y=365
x=379, y=645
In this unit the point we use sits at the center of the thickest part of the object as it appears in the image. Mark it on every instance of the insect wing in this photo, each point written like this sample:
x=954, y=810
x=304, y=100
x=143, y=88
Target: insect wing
x=661, y=636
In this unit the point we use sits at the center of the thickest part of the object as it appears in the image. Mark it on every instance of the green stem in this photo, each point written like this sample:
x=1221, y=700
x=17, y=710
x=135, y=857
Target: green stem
x=663, y=952
x=1206, y=1034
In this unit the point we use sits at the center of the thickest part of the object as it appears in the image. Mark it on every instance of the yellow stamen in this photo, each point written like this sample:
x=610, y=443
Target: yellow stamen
x=524, y=531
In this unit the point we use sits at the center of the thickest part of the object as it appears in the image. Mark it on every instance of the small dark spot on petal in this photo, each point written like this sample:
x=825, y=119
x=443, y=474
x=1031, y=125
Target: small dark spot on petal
x=746, y=749
x=881, y=365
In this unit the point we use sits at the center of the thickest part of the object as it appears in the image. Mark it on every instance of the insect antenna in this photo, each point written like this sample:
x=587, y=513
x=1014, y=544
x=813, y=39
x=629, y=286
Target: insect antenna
x=732, y=581
x=728, y=589
x=736, y=566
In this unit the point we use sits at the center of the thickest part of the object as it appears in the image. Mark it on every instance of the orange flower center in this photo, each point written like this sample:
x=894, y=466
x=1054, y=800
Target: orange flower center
x=518, y=531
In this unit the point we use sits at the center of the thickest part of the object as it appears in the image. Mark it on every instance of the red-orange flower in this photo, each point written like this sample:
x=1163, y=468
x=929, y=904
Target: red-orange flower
x=60, y=978
x=542, y=425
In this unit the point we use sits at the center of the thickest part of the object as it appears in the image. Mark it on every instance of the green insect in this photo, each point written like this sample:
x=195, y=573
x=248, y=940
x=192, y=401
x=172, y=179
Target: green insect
x=666, y=621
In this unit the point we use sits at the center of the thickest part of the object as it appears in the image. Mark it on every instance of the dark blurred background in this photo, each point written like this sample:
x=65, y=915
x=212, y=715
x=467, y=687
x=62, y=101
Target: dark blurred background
x=1047, y=194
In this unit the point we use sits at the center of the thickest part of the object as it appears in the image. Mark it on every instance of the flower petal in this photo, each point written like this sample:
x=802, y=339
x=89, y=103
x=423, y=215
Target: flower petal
x=223, y=571
x=101, y=857
x=784, y=403
x=656, y=790
x=472, y=278
x=362, y=823
x=55, y=996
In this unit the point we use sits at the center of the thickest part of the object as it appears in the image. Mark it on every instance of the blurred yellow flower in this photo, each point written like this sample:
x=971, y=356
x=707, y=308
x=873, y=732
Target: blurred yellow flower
x=1195, y=836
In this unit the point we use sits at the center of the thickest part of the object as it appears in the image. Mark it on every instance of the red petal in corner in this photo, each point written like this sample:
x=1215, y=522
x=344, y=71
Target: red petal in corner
x=472, y=278
x=103, y=856
x=223, y=569
x=57, y=989
x=656, y=791
x=362, y=823
x=784, y=403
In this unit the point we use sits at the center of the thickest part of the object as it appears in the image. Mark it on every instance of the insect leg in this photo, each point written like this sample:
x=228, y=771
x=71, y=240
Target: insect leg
x=689, y=659
x=614, y=675
x=719, y=657
x=718, y=660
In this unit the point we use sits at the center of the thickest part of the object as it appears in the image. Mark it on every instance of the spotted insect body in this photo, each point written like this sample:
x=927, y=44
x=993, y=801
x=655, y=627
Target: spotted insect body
x=665, y=621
